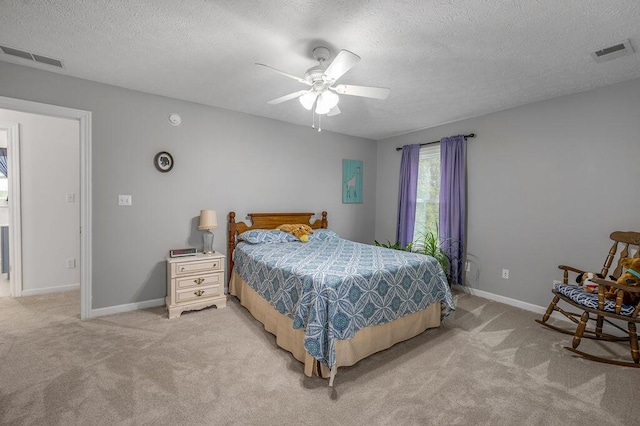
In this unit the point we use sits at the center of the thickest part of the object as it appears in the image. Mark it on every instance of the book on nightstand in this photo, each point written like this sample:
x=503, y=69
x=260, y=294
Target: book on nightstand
x=183, y=252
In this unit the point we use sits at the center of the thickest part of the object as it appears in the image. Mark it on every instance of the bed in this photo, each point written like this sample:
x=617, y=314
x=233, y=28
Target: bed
x=331, y=302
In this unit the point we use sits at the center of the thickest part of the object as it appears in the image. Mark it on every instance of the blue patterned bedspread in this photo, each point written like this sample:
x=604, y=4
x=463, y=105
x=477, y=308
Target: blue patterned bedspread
x=334, y=287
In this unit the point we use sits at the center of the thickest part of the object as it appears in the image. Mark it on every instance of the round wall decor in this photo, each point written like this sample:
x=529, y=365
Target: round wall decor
x=163, y=161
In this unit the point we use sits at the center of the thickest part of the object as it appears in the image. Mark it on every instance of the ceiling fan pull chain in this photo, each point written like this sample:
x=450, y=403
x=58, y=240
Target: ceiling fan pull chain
x=319, y=123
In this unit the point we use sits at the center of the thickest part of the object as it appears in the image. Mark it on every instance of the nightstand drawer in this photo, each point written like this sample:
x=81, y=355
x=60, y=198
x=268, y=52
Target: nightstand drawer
x=200, y=293
x=185, y=268
x=195, y=282
x=198, y=281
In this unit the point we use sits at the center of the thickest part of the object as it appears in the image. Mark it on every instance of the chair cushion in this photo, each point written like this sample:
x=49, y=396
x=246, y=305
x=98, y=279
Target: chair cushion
x=590, y=300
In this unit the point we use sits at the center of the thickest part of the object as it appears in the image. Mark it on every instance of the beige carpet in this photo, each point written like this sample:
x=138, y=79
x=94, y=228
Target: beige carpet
x=489, y=364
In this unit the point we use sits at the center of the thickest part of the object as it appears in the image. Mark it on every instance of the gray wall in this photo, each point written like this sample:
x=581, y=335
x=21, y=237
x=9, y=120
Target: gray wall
x=547, y=183
x=223, y=161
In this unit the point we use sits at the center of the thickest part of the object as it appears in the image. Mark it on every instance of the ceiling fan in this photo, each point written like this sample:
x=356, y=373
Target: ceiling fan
x=322, y=96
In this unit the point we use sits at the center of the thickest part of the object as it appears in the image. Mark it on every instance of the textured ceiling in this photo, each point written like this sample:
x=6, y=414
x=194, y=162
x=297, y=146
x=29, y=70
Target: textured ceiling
x=443, y=60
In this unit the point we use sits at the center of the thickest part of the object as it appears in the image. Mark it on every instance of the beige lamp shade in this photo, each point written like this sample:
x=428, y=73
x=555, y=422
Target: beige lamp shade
x=208, y=219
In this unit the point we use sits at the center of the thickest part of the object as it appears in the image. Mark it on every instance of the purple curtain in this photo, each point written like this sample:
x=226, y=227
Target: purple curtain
x=453, y=196
x=407, y=194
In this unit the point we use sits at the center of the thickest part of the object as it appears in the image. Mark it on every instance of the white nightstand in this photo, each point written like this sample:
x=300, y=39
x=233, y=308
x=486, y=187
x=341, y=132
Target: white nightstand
x=195, y=282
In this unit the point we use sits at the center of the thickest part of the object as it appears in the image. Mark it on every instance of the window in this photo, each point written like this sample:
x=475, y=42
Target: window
x=4, y=188
x=428, y=194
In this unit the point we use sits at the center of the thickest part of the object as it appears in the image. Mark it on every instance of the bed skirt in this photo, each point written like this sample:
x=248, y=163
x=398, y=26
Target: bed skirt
x=367, y=341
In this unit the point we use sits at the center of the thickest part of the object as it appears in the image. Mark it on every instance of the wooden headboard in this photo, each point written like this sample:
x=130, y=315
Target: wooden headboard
x=266, y=221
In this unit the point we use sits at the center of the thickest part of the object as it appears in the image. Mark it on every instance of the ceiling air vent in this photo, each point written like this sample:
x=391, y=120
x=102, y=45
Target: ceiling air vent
x=31, y=56
x=15, y=52
x=612, y=52
x=48, y=61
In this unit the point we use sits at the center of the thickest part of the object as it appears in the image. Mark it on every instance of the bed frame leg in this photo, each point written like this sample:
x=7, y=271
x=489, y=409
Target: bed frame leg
x=334, y=370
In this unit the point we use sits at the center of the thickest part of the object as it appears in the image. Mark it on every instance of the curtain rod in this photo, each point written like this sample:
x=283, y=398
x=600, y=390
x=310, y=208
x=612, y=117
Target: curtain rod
x=470, y=135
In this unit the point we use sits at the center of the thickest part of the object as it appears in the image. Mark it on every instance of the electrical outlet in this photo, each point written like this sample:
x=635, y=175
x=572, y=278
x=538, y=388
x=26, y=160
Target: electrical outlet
x=505, y=274
x=467, y=266
x=124, y=200
x=71, y=263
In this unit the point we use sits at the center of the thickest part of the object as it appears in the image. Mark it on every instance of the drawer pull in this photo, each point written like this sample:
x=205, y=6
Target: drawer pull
x=199, y=293
x=198, y=281
x=182, y=269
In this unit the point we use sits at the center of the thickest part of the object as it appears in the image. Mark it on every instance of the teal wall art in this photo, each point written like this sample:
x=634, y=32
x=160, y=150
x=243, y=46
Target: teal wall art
x=351, y=181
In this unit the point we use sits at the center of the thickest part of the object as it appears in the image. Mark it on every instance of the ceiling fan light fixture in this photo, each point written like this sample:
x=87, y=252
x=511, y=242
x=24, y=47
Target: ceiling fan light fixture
x=326, y=101
x=322, y=97
x=322, y=108
x=307, y=100
x=330, y=98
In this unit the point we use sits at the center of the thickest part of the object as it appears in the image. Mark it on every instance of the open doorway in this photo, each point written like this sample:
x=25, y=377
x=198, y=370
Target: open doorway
x=46, y=202
x=77, y=198
x=5, y=283
x=11, y=218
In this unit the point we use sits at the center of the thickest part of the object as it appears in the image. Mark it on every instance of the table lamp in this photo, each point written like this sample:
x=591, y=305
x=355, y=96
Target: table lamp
x=208, y=221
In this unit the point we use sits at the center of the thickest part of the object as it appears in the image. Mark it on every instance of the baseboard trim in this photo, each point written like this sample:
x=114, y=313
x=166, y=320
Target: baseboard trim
x=509, y=301
x=48, y=290
x=126, y=308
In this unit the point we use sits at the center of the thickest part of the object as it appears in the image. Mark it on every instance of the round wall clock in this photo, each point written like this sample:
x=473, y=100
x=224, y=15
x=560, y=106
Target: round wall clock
x=163, y=161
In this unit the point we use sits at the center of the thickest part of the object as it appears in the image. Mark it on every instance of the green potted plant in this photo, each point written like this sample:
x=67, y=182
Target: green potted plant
x=394, y=246
x=429, y=244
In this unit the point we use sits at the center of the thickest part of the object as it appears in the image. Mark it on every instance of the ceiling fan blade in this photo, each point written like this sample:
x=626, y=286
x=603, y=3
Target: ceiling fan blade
x=334, y=111
x=364, y=91
x=342, y=63
x=301, y=80
x=285, y=98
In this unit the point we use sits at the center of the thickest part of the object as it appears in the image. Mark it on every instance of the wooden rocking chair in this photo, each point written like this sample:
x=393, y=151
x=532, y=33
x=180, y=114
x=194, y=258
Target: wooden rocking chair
x=598, y=310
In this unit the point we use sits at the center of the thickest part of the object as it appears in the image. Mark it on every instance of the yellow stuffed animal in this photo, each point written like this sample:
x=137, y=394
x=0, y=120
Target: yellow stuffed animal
x=300, y=231
x=631, y=278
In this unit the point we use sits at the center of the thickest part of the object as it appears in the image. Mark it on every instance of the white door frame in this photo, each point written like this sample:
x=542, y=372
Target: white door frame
x=15, y=215
x=84, y=117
